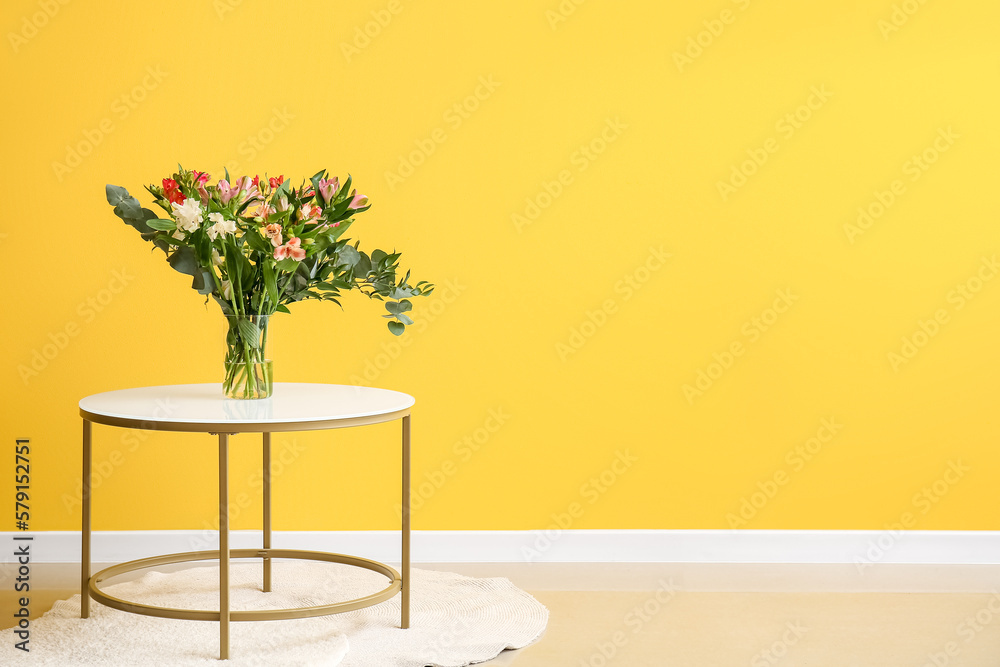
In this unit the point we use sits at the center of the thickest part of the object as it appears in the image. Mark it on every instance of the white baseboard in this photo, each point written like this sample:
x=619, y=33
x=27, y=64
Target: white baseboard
x=554, y=546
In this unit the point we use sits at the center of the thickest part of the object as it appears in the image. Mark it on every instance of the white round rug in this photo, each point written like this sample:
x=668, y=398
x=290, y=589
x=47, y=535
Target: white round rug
x=454, y=621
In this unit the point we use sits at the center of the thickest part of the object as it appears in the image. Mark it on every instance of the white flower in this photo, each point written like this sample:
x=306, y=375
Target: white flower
x=188, y=214
x=227, y=290
x=283, y=204
x=217, y=259
x=220, y=226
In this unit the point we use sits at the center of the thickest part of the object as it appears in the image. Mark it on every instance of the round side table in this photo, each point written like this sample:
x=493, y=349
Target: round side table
x=202, y=408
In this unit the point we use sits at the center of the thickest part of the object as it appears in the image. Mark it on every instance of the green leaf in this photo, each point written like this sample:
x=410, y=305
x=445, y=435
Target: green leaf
x=270, y=281
x=162, y=225
x=116, y=194
x=348, y=256
x=258, y=242
x=249, y=332
x=363, y=267
x=288, y=265
x=282, y=308
x=203, y=282
x=397, y=328
x=183, y=260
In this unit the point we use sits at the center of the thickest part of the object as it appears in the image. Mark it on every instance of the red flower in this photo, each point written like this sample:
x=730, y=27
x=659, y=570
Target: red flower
x=172, y=191
x=275, y=182
x=256, y=182
x=200, y=177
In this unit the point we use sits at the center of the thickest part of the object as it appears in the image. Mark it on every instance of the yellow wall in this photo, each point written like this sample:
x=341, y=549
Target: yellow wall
x=564, y=322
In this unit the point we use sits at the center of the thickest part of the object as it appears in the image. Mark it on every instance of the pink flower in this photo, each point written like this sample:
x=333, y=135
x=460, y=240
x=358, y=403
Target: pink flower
x=226, y=191
x=357, y=201
x=291, y=249
x=240, y=187
x=273, y=232
x=328, y=188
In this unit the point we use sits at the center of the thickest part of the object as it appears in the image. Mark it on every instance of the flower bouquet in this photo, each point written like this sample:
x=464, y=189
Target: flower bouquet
x=256, y=245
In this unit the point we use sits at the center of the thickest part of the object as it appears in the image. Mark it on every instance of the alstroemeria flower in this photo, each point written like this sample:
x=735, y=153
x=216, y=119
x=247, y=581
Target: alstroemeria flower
x=200, y=179
x=275, y=182
x=172, y=191
x=226, y=191
x=357, y=201
x=273, y=232
x=328, y=188
x=227, y=290
x=188, y=214
x=245, y=185
x=283, y=204
x=217, y=259
x=263, y=211
x=290, y=249
x=308, y=211
x=220, y=226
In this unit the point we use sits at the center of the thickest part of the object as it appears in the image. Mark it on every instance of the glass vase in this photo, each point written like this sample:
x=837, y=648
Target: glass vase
x=249, y=373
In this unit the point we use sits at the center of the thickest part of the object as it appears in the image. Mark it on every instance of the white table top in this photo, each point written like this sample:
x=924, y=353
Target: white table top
x=203, y=407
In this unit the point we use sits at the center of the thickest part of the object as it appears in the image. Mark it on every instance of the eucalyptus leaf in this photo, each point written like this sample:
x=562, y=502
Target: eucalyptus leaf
x=183, y=260
x=203, y=282
x=348, y=256
x=397, y=328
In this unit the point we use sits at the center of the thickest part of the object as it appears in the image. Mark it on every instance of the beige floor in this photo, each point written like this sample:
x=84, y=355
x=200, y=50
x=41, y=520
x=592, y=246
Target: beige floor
x=682, y=615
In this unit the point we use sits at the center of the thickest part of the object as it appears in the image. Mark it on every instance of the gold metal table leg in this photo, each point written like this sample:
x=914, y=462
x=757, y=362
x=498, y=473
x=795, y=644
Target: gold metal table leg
x=267, y=510
x=405, y=566
x=223, y=546
x=85, y=527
